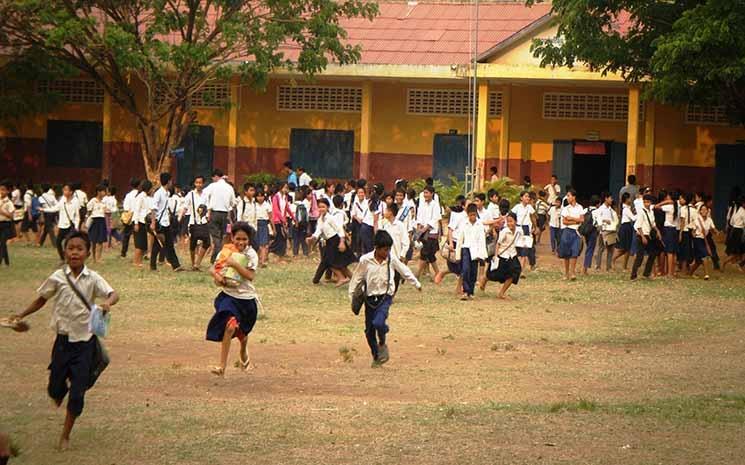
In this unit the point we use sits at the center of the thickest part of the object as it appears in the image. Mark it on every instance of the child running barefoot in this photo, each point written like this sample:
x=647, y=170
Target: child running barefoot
x=235, y=305
x=505, y=266
x=75, y=347
x=377, y=270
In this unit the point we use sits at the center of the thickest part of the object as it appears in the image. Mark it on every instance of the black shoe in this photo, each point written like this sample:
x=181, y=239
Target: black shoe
x=383, y=355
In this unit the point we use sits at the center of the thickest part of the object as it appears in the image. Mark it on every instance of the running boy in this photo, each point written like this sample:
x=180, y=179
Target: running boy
x=377, y=271
x=74, y=288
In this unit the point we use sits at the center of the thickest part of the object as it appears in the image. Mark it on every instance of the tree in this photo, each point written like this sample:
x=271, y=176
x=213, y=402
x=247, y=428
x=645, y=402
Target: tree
x=680, y=51
x=173, y=48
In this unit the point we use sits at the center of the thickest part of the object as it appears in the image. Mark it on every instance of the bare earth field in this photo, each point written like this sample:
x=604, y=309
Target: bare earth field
x=599, y=371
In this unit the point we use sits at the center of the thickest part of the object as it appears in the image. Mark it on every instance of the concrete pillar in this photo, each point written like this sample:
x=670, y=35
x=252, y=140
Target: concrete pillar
x=482, y=132
x=650, y=121
x=632, y=132
x=365, y=128
x=504, y=131
x=233, y=128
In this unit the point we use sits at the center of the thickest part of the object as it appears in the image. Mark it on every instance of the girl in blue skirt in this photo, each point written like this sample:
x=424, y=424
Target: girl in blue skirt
x=625, y=231
x=236, y=305
x=97, y=210
x=702, y=227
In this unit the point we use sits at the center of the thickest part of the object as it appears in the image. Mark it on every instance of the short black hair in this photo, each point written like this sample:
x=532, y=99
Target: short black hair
x=472, y=208
x=338, y=201
x=650, y=198
x=605, y=195
x=217, y=172
x=594, y=200
x=79, y=235
x=134, y=183
x=429, y=182
x=382, y=239
x=198, y=177
x=491, y=193
x=393, y=208
x=493, y=169
x=572, y=191
x=429, y=188
x=631, y=179
x=323, y=201
x=480, y=195
x=146, y=185
x=287, y=164
x=362, y=182
x=100, y=188
x=242, y=226
x=164, y=178
x=46, y=186
x=248, y=185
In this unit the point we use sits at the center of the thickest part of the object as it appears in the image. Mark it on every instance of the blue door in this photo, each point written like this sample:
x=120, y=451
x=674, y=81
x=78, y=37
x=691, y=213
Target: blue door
x=325, y=153
x=562, y=162
x=199, y=150
x=729, y=172
x=450, y=157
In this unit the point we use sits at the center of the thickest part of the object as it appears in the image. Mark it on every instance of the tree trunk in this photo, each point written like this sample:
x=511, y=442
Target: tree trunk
x=157, y=140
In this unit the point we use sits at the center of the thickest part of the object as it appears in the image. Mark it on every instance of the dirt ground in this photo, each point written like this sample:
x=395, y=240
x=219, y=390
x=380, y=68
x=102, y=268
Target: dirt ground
x=598, y=371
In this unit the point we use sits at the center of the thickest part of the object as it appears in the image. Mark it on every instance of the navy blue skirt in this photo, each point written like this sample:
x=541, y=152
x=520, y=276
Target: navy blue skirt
x=670, y=239
x=625, y=236
x=244, y=311
x=699, y=249
x=262, y=233
x=735, y=243
x=508, y=268
x=97, y=231
x=569, y=245
x=685, y=248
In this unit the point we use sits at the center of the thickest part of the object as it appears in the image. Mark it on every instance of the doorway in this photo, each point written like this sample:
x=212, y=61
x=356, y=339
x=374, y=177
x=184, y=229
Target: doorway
x=323, y=153
x=199, y=150
x=729, y=172
x=450, y=157
x=590, y=167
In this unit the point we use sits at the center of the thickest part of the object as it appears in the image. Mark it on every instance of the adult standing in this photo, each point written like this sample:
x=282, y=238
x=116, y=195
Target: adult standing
x=630, y=187
x=161, y=226
x=553, y=189
x=220, y=200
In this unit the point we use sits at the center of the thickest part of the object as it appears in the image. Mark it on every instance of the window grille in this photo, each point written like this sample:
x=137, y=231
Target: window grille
x=598, y=107
x=702, y=114
x=74, y=90
x=495, y=104
x=319, y=98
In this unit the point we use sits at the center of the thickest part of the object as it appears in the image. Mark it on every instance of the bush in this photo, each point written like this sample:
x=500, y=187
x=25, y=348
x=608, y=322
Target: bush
x=506, y=188
x=260, y=179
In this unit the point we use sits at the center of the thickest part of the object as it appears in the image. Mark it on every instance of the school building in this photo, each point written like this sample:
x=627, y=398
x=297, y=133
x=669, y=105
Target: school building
x=403, y=111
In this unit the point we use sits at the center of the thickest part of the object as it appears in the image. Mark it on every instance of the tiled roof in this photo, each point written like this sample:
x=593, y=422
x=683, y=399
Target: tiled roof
x=435, y=33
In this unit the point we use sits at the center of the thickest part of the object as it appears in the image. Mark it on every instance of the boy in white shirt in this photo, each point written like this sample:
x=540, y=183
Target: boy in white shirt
x=649, y=236
x=607, y=221
x=377, y=271
x=458, y=218
x=428, y=218
x=74, y=289
x=69, y=217
x=553, y=189
x=554, y=224
x=572, y=215
x=470, y=250
x=50, y=210
x=128, y=208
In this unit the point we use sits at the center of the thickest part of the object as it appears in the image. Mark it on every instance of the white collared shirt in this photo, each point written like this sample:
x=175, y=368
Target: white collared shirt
x=400, y=237
x=69, y=213
x=553, y=192
x=570, y=211
x=554, y=216
x=627, y=215
x=471, y=236
x=644, y=221
x=96, y=208
x=48, y=202
x=702, y=227
x=670, y=220
x=81, y=196
x=160, y=207
x=360, y=209
x=70, y=316
x=129, y=201
x=378, y=277
x=247, y=211
x=220, y=196
x=456, y=222
x=429, y=214
x=507, y=242
x=264, y=211
x=327, y=227
x=111, y=203
x=737, y=220
x=142, y=208
x=523, y=213
x=192, y=201
x=304, y=179
x=405, y=215
x=606, y=218
x=246, y=289
x=6, y=209
x=688, y=215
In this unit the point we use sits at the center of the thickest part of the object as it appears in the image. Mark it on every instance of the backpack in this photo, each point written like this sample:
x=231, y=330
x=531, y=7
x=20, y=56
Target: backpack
x=301, y=214
x=588, y=224
x=35, y=206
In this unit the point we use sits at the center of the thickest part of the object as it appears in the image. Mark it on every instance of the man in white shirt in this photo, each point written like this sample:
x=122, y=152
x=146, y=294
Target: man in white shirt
x=220, y=200
x=553, y=190
x=128, y=207
x=428, y=218
x=49, y=208
x=649, y=236
x=303, y=178
x=377, y=270
x=161, y=226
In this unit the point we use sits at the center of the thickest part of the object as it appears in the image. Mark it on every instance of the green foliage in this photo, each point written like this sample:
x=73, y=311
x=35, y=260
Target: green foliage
x=446, y=192
x=506, y=188
x=681, y=51
x=172, y=49
x=260, y=179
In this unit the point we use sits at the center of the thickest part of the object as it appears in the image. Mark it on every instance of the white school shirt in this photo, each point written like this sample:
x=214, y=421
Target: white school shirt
x=456, y=222
x=17, y=198
x=554, y=216
x=111, y=203
x=348, y=200
x=6, y=209
x=688, y=215
x=128, y=204
x=701, y=227
x=627, y=216
x=606, y=213
x=670, y=220
x=435, y=198
x=429, y=214
x=160, y=205
x=570, y=211
x=493, y=210
x=69, y=213
x=263, y=211
x=70, y=316
x=304, y=180
x=472, y=237
x=405, y=214
x=220, y=196
x=644, y=221
x=553, y=192
x=360, y=209
x=507, y=242
x=327, y=227
x=595, y=214
x=737, y=220
x=523, y=213
x=638, y=204
x=174, y=202
x=81, y=196
x=400, y=237
x=378, y=278
x=192, y=201
x=96, y=208
x=48, y=202
x=142, y=208
x=246, y=289
x=28, y=200
x=341, y=218
x=247, y=211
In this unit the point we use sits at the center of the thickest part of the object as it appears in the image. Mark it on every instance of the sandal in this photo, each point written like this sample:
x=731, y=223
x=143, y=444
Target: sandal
x=218, y=371
x=245, y=366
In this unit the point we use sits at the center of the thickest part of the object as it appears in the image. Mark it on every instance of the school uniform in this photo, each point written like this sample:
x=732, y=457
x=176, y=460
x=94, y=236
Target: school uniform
x=645, y=222
x=735, y=240
x=198, y=224
x=82, y=201
x=541, y=214
x=331, y=230
x=304, y=180
x=701, y=230
x=111, y=208
x=553, y=192
x=380, y=287
x=688, y=216
x=49, y=210
x=363, y=216
x=300, y=231
x=470, y=251
x=626, y=230
x=671, y=228
x=30, y=217
x=406, y=215
x=505, y=264
x=97, y=213
x=220, y=200
x=525, y=223
x=569, y=245
x=7, y=228
x=280, y=213
x=428, y=215
x=140, y=217
x=74, y=347
x=607, y=221
x=17, y=198
x=554, y=225
x=128, y=205
x=162, y=227
x=263, y=217
x=591, y=239
x=455, y=225
x=236, y=306
x=69, y=221
x=246, y=210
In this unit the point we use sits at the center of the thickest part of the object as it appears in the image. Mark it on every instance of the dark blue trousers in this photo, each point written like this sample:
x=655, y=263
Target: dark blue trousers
x=468, y=271
x=375, y=321
x=71, y=361
x=591, y=241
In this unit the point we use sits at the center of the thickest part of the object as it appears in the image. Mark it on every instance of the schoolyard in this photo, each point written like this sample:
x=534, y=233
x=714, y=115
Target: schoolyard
x=599, y=371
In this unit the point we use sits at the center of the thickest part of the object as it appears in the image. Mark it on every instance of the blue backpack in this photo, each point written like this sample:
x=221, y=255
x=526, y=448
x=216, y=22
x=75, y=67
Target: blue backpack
x=35, y=206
